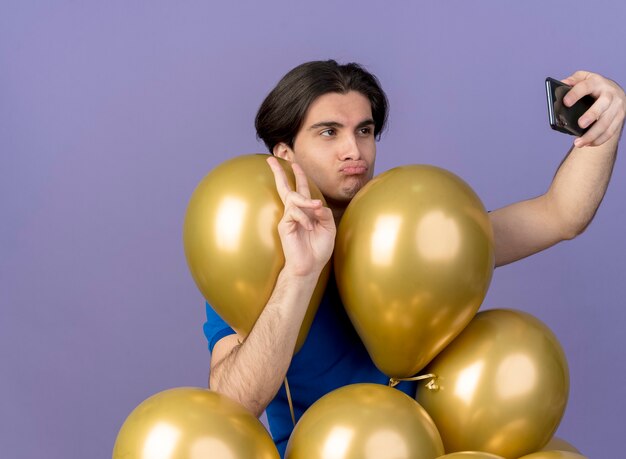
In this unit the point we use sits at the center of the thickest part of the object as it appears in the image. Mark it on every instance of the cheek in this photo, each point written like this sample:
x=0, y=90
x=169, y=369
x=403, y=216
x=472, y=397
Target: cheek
x=372, y=162
x=316, y=174
x=324, y=182
x=368, y=149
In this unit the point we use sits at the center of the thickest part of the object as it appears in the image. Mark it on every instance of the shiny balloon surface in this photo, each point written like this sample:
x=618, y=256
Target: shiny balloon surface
x=501, y=386
x=470, y=455
x=558, y=444
x=192, y=423
x=554, y=455
x=365, y=421
x=413, y=261
x=231, y=240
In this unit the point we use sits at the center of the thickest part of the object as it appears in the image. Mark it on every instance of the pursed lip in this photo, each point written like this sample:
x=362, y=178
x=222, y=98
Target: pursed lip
x=354, y=168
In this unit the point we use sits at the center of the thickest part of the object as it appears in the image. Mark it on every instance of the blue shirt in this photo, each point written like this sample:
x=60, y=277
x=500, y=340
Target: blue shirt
x=332, y=356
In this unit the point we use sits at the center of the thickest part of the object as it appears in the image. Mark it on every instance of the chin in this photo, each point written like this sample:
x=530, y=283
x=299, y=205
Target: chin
x=347, y=194
x=351, y=189
x=344, y=193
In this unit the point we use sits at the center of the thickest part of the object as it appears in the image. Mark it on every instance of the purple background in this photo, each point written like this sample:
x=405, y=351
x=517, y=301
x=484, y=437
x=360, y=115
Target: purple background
x=111, y=113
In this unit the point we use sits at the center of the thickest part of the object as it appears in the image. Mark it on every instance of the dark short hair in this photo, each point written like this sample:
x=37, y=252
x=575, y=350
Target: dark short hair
x=282, y=113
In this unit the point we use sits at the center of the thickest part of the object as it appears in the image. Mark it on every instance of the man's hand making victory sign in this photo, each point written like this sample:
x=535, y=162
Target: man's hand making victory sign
x=307, y=229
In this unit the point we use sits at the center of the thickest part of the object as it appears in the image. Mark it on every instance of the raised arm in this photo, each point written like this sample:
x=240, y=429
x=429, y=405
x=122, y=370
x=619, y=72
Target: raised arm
x=252, y=370
x=569, y=205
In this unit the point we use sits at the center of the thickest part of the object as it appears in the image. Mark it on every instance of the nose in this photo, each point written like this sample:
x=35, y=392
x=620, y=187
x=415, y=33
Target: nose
x=350, y=149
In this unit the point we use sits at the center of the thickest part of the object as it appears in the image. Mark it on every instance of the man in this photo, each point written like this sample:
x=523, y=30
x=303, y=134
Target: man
x=325, y=119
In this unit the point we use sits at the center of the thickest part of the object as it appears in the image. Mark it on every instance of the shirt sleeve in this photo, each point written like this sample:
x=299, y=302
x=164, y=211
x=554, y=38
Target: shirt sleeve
x=215, y=328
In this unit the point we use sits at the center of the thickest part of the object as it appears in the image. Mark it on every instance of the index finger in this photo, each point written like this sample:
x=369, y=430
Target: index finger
x=302, y=183
x=578, y=91
x=576, y=77
x=282, y=184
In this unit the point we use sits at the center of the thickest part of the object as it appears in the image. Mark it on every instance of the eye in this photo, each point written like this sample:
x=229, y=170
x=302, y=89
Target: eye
x=367, y=130
x=328, y=132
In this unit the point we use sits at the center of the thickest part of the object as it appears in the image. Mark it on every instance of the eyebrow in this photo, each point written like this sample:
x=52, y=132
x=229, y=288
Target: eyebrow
x=335, y=124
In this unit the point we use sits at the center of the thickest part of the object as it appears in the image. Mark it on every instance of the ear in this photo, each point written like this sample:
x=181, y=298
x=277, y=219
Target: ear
x=283, y=151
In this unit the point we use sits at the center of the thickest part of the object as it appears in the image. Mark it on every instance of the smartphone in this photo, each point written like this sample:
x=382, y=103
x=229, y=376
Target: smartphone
x=565, y=119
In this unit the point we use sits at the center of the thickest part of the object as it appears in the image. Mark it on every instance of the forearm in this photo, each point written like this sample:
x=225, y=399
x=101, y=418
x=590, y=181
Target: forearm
x=579, y=186
x=251, y=372
x=564, y=211
x=254, y=370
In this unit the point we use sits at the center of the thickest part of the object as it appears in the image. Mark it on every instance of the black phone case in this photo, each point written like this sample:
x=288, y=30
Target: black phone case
x=565, y=119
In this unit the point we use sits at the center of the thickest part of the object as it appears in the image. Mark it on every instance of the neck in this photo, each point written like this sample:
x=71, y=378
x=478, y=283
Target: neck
x=337, y=208
x=337, y=214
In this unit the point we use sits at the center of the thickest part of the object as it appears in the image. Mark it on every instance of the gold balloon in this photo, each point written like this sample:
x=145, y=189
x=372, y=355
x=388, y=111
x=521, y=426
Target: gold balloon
x=365, y=421
x=413, y=261
x=470, y=455
x=231, y=241
x=192, y=423
x=554, y=455
x=501, y=385
x=558, y=444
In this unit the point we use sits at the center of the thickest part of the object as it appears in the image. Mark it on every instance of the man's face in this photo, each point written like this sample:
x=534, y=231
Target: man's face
x=335, y=146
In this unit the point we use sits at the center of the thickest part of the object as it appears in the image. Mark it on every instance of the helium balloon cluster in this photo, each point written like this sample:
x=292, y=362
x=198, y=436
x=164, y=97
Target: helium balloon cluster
x=413, y=261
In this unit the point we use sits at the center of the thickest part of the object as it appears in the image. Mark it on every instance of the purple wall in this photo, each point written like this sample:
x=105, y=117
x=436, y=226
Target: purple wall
x=111, y=112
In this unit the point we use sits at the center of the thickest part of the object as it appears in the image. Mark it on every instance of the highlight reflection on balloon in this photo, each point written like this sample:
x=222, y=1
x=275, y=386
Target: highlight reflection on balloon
x=413, y=261
x=231, y=240
x=190, y=422
x=554, y=455
x=501, y=386
x=365, y=421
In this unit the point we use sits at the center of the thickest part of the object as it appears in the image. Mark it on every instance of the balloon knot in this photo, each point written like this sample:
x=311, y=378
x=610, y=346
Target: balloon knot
x=432, y=384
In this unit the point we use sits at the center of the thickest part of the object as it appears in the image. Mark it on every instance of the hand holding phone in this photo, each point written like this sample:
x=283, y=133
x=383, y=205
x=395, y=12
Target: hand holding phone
x=565, y=119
